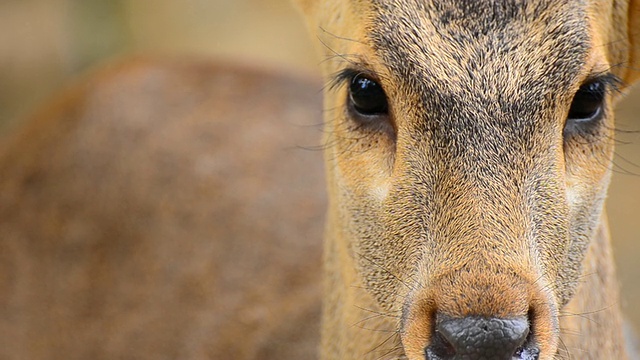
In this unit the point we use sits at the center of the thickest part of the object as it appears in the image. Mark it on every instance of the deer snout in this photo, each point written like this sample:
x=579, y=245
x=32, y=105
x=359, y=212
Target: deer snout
x=475, y=337
x=494, y=314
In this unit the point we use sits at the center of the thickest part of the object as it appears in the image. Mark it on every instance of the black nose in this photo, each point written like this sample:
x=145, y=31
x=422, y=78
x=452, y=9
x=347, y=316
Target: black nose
x=479, y=338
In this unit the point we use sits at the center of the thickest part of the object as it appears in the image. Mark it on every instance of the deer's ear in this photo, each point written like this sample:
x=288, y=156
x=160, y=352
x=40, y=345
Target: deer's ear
x=633, y=32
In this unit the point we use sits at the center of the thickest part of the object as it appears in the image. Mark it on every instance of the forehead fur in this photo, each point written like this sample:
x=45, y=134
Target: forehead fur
x=507, y=47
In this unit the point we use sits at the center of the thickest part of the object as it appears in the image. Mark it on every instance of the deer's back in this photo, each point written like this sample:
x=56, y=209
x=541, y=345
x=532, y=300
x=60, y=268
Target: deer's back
x=164, y=211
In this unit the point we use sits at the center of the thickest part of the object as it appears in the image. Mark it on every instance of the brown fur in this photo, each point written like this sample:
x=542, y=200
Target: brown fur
x=160, y=209
x=474, y=203
x=147, y=215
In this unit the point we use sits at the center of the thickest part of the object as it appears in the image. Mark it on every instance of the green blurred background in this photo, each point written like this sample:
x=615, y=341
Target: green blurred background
x=44, y=43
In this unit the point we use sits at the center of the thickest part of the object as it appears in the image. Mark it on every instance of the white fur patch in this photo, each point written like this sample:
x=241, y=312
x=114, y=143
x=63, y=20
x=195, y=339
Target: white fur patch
x=573, y=196
x=380, y=191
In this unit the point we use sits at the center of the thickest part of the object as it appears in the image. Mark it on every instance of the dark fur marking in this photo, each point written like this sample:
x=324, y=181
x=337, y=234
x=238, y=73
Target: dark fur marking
x=460, y=59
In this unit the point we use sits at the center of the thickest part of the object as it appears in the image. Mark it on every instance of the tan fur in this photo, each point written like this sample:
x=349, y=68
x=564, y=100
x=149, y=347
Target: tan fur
x=415, y=228
x=162, y=210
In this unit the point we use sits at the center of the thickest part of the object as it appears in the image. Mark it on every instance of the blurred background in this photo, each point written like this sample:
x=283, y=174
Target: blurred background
x=45, y=43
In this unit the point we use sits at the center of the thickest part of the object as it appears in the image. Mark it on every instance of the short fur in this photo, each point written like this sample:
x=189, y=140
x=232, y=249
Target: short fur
x=159, y=210
x=478, y=202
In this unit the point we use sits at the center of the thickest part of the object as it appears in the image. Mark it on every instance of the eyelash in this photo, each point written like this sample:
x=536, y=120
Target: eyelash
x=611, y=82
x=344, y=76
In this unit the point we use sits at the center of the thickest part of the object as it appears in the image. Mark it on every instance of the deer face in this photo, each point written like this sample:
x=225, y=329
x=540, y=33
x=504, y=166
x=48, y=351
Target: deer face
x=468, y=148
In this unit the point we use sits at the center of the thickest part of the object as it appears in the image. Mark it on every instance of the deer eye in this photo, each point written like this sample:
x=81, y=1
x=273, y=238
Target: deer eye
x=587, y=102
x=367, y=96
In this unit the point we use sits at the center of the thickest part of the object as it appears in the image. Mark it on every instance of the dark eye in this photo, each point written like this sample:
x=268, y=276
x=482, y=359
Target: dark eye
x=367, y=96
x=587, y=102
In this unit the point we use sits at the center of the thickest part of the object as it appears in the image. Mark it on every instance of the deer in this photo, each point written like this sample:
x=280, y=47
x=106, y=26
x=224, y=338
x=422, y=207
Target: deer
x=159, y=209
x=145, y=213
x=468, y=161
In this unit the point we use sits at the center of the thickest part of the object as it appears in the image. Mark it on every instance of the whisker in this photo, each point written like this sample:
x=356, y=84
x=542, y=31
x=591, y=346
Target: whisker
x=395, y=334
x=325, y=31
x=389, y=272
x=378, y=313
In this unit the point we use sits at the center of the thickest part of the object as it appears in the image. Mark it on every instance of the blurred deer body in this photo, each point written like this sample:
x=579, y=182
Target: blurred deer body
x=162, y=210
x=146, y=215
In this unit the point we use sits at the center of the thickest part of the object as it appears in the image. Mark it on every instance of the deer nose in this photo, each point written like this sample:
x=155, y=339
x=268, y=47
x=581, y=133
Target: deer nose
x=480, y=338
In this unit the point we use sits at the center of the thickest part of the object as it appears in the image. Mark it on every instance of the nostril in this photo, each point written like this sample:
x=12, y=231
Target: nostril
x=440, y=348
x=481, y=338
x=528, y=350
